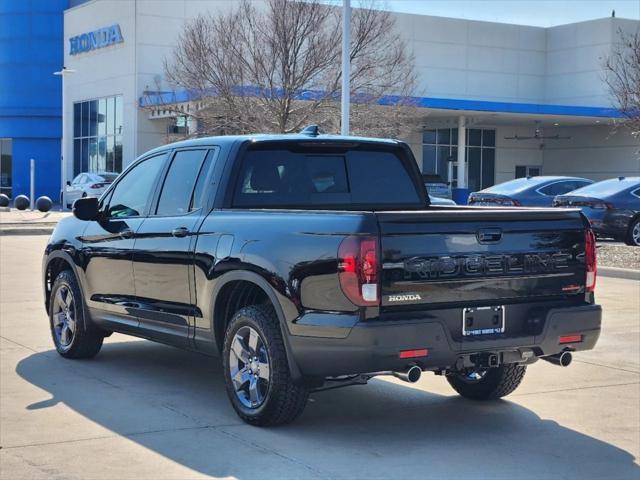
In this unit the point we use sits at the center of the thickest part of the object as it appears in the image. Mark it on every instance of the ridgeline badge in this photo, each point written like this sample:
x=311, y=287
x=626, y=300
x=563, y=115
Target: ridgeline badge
x=103, y=37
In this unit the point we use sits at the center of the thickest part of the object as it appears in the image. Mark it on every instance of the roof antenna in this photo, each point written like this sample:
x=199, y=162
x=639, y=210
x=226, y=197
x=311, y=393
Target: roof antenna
x=311, y=130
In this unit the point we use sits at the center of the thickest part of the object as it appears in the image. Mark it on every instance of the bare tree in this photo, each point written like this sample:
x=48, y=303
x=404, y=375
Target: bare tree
x=622, y=75
x=276, y=67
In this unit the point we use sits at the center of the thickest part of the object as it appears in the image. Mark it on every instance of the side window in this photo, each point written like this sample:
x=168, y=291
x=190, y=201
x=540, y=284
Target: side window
x=79, y=179
x=133, y=192
x=636, y=192
x=178, y=187
x=200, y=192
x=558, y=188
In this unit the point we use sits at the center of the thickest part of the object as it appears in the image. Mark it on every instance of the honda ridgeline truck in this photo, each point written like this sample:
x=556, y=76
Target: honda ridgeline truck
x=310, y=262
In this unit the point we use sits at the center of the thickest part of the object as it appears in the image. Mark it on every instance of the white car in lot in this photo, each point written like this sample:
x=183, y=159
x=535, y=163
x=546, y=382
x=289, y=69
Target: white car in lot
x=87, y=185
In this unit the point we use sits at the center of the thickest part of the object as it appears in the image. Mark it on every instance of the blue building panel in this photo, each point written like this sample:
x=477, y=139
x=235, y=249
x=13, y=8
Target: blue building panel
x=31, y=46
x=46, y=153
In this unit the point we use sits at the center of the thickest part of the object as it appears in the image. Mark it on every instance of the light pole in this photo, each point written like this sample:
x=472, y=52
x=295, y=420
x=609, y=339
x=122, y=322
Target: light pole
x=63, y=170
x=346, y=66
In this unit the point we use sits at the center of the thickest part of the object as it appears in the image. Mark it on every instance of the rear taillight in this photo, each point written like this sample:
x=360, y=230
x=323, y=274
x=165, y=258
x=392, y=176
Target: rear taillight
x=358, y=270
x=97, y=185
x=508, y=202
x=602, y=206
x=590, y=260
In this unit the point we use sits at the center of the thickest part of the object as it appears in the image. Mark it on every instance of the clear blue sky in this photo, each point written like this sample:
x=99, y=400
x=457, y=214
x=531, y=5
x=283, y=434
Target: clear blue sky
x=543, y=13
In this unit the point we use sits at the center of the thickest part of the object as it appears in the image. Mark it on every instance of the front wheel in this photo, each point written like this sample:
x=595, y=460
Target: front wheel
x=72, y=335
x=257, y=376
x=487, y=384
x=633, y=235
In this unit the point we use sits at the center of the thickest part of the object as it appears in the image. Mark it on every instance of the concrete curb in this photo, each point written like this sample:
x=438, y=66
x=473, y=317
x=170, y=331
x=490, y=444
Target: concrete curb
x=30, y=230
x=625, y=273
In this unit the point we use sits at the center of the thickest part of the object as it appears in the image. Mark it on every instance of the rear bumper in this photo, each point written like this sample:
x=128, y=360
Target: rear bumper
x=374, y=346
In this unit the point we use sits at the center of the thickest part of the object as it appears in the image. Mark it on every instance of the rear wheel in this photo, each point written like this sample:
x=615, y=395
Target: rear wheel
x=633, y=235
x=66, y=319
x=487, y=384
x=256, y=371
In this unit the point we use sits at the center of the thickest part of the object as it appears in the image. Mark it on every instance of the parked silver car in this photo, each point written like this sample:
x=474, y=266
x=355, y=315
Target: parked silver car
x=87, y=185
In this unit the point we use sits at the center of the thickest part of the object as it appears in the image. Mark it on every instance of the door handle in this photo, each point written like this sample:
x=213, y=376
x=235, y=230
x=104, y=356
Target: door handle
x=126, y=233
x=180, y=232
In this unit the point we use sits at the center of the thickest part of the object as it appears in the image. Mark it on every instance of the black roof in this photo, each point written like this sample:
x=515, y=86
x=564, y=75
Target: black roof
x=259, y=138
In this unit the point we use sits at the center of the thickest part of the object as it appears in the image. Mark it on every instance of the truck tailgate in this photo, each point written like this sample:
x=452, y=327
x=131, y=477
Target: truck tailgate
x=472, y=256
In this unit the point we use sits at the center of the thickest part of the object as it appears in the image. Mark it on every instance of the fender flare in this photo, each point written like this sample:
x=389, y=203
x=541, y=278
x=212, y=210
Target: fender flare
x=249, y=276
x=61, y=254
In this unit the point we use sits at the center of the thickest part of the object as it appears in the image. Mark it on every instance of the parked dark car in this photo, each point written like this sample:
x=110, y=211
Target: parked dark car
x=312, y=262
x=612, y=207
x=436, y=186
x=527, y=191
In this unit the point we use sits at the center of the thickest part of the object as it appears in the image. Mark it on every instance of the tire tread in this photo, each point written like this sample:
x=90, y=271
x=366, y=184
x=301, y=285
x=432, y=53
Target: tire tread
x=499, y=383
x=87, y=340
x=287, y=399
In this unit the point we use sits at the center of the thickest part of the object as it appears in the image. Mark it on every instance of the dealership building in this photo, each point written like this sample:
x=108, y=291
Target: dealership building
x=502, y=100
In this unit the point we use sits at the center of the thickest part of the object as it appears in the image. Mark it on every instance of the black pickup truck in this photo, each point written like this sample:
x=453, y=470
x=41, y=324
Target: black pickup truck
x=312, y=262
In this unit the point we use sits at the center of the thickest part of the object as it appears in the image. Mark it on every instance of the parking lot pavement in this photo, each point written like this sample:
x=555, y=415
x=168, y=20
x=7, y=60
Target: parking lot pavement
x=146, y=411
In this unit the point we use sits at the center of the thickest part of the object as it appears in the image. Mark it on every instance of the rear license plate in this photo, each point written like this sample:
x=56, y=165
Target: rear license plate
x=483, y=321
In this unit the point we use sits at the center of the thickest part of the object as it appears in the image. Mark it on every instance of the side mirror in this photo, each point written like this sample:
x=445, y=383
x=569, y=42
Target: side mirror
x=86, y=209
x=68, y=183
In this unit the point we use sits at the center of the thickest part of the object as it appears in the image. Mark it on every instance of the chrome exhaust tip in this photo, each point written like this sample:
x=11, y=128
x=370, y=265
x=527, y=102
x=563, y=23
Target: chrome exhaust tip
x=411, y=375
x=561, y=359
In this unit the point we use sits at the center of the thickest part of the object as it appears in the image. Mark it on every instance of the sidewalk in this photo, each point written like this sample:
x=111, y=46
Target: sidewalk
x=27, y=222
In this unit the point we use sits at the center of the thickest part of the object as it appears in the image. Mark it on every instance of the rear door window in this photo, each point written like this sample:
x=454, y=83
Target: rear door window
x=281, y=178
x=177, y=190
x=558, y=188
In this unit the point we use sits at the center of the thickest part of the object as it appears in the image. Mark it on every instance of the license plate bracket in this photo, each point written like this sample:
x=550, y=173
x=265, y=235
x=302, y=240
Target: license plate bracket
x=483, y=320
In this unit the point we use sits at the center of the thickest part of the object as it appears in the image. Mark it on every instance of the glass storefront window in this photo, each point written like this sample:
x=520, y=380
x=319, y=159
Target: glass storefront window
x=429, y=137
x=441, y=145
x=102, y=116
x=6, y=157
x=97, y=129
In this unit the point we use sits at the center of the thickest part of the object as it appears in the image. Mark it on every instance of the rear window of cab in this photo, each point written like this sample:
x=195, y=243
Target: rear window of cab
x=319, y=177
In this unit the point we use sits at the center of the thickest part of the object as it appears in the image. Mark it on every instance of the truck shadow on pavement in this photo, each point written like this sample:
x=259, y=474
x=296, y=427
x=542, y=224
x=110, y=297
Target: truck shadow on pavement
x=174, y=403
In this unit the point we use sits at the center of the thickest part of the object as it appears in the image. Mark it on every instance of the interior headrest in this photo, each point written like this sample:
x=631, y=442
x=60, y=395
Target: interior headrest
x=265, y=177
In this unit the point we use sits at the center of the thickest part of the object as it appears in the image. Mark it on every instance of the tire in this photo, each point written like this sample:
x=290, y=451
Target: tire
x=633, y=234
x=495, y=382
x=66, y=307
x=275, y=400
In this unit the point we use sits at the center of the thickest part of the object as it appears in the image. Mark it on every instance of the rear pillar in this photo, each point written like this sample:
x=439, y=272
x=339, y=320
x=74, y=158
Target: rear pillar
x=461, y=193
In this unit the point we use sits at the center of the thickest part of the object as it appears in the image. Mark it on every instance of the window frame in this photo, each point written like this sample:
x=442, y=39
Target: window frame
x=77, y=180
x=86, y=137
x=107, y=196
x=233, y=170
x=209, y=151
x=483, y=133
x=526, y=170
x=539, y=189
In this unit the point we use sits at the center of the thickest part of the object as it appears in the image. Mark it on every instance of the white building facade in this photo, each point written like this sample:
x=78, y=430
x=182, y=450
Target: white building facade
x=483, y=87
